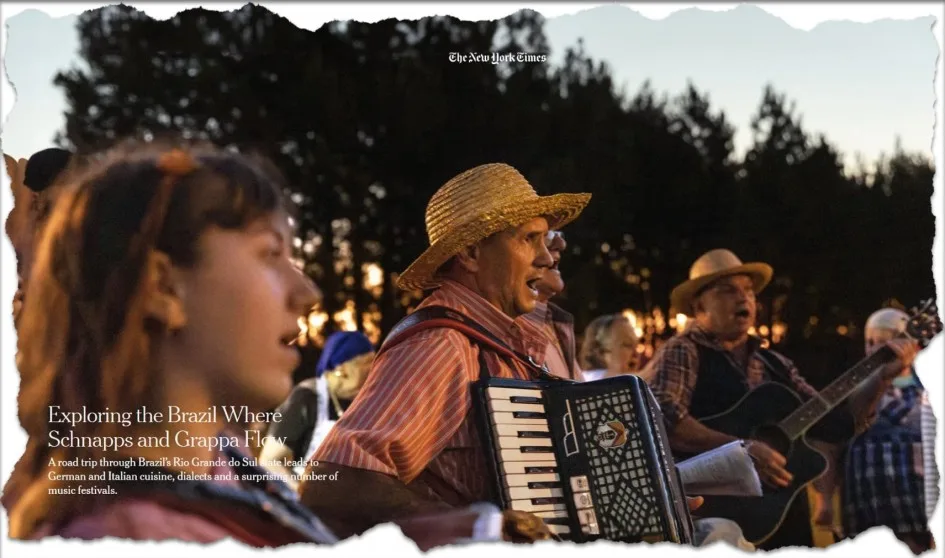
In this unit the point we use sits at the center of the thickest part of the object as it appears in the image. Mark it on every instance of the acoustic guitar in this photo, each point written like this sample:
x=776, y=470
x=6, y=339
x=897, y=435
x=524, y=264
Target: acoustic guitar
x=775, y=415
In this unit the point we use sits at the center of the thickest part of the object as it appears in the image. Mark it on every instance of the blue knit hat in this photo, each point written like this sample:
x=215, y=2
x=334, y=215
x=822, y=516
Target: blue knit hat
x=340, y=347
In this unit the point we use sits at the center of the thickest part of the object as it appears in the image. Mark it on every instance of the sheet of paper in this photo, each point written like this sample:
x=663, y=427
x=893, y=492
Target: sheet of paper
x=725, y=471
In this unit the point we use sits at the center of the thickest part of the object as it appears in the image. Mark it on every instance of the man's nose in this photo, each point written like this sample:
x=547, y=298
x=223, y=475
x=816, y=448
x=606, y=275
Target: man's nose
x=543, y=258
x=557, y=243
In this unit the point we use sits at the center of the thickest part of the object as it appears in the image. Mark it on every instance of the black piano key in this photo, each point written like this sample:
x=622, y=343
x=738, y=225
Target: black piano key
x=532, y=434
x=527, y=414
x=539, y=470
x=536, y=449
x=522, y=399
x=546, y=484
x=543, y=501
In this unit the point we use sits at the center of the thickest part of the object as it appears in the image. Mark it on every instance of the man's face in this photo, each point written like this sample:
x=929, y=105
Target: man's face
x=727, y=307
x=510, y=264
x=551, y=283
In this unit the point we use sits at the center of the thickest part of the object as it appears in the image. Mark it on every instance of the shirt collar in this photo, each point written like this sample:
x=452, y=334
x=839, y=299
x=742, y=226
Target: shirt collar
x=463, y=299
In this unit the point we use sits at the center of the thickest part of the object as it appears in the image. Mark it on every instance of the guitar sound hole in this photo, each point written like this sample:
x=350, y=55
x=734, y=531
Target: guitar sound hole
x=775, y=438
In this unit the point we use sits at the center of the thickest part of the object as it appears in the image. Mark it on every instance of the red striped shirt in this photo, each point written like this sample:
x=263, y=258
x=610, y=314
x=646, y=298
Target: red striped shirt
x=413, y=414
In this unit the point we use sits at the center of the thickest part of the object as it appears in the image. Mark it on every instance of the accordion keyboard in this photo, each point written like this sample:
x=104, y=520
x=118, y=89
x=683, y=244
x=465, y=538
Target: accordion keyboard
x=529, y=468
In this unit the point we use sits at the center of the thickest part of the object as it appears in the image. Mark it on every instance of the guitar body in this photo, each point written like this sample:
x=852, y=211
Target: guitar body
x=756, y=416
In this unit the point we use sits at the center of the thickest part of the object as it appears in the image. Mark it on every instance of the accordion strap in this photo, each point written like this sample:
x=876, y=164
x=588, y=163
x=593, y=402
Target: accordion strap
x=430, y=317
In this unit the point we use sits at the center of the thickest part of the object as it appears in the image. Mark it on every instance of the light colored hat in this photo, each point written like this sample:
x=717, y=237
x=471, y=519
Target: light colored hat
x=888, y=318
x=477, y=204
x=714, y=265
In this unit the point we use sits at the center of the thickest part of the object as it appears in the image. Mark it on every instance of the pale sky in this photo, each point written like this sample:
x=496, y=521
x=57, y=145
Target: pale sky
x=862, y=84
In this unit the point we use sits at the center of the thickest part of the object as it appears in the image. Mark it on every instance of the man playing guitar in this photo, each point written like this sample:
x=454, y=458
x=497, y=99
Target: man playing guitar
x=709, y=368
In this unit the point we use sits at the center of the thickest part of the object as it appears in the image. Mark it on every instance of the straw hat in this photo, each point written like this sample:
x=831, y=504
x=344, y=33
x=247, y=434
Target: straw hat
x=713, y=265
x=477, y=204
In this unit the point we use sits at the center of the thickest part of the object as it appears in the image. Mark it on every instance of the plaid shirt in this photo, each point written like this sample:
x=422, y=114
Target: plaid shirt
x=884, y=482
x=412, y=419
x=675, y=368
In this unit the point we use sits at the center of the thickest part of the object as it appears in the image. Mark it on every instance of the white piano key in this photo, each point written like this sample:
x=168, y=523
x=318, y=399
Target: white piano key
x=523, y=479
x=508, y=418
x=528, y=506
x=508, y=442
x=507, y=393
x=519, y=467
x=505, y=406
x=515, y=429
x=518, y=455
x=523, y=492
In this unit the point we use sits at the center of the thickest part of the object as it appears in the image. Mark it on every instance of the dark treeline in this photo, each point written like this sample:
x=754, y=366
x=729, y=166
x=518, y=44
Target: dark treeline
x=367, y=120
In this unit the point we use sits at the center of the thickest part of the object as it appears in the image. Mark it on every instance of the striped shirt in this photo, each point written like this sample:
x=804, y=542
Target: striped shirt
x=412, y=418
x=558, y=325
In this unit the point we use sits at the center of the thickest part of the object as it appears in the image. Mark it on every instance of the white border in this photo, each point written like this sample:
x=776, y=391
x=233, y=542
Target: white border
x=801, y=16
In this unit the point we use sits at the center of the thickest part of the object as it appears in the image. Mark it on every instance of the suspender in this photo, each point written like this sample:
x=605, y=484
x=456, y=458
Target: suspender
x=431, y=317
x=774, y=365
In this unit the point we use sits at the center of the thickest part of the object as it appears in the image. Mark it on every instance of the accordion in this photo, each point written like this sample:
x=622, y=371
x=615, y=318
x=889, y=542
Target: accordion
x=591, y=459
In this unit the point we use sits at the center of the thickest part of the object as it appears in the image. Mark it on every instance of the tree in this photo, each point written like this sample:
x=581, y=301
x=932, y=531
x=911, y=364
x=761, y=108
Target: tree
x=368, y=120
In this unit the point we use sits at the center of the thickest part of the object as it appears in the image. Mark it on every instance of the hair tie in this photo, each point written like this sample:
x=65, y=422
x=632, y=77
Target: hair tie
x=177, y=162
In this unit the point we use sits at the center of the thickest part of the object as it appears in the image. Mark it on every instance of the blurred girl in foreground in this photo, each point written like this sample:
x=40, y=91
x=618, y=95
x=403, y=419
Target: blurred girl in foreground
x=163, y=278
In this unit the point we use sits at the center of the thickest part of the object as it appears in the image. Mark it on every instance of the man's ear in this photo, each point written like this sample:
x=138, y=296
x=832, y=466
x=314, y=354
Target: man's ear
x=468, y=258
x=696, y=304
x=164, y=292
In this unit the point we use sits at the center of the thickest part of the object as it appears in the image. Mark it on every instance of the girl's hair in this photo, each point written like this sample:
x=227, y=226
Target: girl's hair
x=595, y=341
x=85, y=340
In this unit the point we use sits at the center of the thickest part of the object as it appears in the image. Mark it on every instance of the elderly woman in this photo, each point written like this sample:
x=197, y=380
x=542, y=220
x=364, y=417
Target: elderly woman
x=884, y=476
x=609, y=348
x=317, y=403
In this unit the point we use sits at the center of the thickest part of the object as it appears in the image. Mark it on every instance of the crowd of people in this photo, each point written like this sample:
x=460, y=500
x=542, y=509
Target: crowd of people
x=158, y=274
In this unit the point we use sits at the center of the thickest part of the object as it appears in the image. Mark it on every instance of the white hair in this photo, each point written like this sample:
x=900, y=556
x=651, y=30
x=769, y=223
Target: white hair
x=888, y=318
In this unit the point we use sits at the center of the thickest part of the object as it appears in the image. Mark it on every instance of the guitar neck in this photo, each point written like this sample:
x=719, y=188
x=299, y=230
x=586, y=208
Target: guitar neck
x=800, y=421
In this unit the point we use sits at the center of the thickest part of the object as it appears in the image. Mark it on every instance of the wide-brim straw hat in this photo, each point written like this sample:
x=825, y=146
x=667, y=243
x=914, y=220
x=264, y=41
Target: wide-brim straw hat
x=710, y=267
x=477, y=204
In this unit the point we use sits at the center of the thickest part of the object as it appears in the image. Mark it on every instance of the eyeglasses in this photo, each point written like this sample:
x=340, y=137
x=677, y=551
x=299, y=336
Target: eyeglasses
x=552, y=235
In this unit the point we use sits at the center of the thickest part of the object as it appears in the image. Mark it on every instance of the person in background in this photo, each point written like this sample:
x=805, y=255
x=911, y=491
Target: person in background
x=556, y=322
x=316, y=403
x=609, y=348
x=884, y=476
